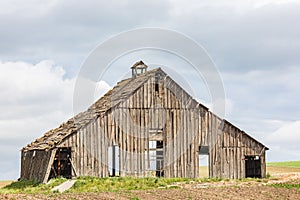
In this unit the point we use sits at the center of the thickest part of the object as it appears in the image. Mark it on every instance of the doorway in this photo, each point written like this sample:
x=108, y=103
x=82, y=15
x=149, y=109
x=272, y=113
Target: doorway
x=203, y=161
x=159, y=159
x=61, y=164
x=253, y=166
x=113, y=160
x=154, y=157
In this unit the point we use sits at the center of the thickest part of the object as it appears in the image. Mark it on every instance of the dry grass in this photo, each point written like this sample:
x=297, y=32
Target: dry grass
x=272, y=170
x=4, y=183
x=203, y=171
x=275, y=170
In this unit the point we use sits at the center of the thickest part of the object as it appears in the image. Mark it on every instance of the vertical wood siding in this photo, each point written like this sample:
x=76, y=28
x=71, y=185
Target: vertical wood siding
x=159, y=106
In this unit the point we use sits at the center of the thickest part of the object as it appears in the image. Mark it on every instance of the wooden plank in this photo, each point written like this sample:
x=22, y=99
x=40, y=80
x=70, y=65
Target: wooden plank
x=98, y=146
x=185, y=143
x=232, y=166
x=50, y=163
x=128, y=140
x=243, y=174
x=102, y=142
x=95, y=143
x=211, y=147
x=142, y=142
x=83, y=156
x=175, y=142
x=73, y=167
x=121, y=141
x=191, y=139
x=106, y=144
x=169, y=145
x=92, y=153
x=235, y=163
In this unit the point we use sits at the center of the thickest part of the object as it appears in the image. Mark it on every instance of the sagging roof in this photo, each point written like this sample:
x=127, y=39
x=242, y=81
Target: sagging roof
x=112, y=98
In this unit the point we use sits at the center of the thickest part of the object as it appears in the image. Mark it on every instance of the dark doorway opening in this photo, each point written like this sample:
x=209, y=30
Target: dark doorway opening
x=61, y=164
x=253, y=166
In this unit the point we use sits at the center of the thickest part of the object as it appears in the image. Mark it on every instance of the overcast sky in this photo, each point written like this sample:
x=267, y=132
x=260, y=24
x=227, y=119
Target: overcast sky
x=255, y=45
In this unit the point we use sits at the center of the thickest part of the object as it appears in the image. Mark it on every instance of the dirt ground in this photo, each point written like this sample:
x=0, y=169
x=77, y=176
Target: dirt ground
x=216, y=190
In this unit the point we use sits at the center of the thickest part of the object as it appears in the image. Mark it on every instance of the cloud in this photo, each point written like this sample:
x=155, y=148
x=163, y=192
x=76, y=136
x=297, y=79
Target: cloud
x=265, y=106
x=254, y=43
x=266, y=93
x=287, y=136
x=244, y=35
x=284, y=142
x=68, y=30
x=34, y=99
x=238, y=35
x=31, y=87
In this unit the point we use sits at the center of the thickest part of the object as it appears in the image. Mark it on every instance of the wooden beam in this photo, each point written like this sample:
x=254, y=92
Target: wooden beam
x=72, y=165
x=50, y=163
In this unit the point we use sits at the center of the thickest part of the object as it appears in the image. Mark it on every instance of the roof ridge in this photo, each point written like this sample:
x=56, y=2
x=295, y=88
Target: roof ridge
x=102, y=105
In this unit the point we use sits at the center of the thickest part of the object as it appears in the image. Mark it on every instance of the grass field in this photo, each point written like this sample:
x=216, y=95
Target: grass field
x=93, y=184
x=203, y=171
x=292, y=164
x=275, y=168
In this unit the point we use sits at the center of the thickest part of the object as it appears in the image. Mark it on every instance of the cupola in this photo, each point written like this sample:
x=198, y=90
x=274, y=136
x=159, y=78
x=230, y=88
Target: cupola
x=138, y=68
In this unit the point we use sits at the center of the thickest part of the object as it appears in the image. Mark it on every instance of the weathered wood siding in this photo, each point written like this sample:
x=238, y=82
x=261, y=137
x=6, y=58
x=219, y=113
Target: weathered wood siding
x=34, y=164
x=160, y=104
x=228, y=147
x=158, y=110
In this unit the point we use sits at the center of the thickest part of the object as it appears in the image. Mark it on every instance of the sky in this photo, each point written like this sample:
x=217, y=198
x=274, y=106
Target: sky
x=254, y=44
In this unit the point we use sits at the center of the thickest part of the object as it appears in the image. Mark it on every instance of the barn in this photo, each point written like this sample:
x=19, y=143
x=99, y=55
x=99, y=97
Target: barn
x=146, y=125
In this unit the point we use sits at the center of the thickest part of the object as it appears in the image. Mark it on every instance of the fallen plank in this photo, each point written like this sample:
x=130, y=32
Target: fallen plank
x=64, y=186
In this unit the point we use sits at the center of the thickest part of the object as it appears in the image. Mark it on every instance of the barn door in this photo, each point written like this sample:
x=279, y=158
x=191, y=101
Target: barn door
x=253, y=166
x=61, y=164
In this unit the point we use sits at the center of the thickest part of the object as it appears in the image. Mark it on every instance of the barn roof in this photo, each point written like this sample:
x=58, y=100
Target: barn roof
x=112, y=98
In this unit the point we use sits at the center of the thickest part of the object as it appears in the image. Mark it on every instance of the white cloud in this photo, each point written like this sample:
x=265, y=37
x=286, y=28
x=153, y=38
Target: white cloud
x=265, y=93
x=287, y=136
x=17, y=6
x=284, y=142
x=34, y=99
x=101, y=88
x=254, y=42
x=29, y=89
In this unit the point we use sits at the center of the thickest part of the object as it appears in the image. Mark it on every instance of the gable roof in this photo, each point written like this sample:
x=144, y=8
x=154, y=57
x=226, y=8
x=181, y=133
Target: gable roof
x=112, y=98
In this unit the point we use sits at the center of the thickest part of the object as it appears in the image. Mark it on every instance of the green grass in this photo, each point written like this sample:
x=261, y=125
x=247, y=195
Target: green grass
x=116, y=184
x=94, y=184
x=286, y=185
x=30, y=187
x=292, y=164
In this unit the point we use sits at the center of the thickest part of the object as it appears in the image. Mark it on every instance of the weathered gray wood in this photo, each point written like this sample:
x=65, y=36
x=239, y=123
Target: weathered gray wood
x=50, y=163
x=156, y=110
x=73, y=167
